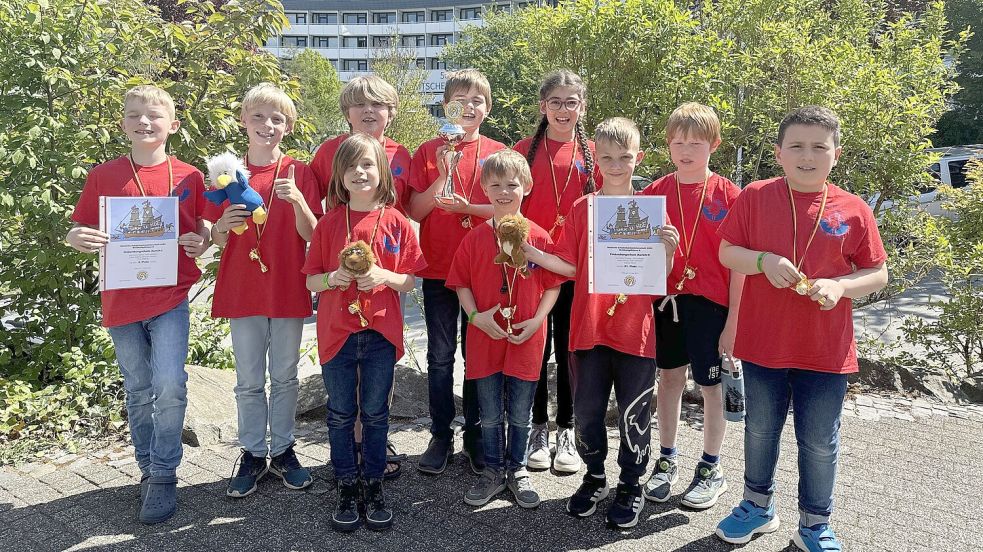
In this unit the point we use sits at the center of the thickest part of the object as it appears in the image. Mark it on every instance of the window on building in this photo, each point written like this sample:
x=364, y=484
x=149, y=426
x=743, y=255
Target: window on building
x=324, y=41
x=421, y=63
x=325, y=18
x=384, y=17
x=382, y=41
x=354, y=18
x=409, y=41
x=297, y=18
x=441, y=39
x=293, y=41
x=441, y=15
x=354, y=42
x=413, y=17
x=436, y=63
x=354, y=65
x=470, y=13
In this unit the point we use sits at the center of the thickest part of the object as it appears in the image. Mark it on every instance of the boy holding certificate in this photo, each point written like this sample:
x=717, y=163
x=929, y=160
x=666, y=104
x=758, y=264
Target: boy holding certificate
x=612, y=339
x=149, y=326
x=808, y=248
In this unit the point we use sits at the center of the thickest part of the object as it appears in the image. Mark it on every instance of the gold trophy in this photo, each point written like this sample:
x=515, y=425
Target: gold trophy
x=453, y=134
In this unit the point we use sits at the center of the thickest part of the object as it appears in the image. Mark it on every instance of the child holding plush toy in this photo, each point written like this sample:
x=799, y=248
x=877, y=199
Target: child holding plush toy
x=362, y=254
x=508, y=301
x=260, y=287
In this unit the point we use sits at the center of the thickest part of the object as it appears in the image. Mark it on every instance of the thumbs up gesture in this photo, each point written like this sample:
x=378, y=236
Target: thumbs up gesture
x=286, y=188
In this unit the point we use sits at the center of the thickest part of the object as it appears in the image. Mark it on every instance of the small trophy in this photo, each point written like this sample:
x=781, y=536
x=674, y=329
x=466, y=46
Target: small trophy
x=453, y=134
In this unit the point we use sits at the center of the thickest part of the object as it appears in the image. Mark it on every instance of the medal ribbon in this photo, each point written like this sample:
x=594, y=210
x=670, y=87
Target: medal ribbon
x=136, y=177
x=509, y=284
x=797, y=261
x=260, y=228
x=356, y=306
x=688, y=241
x=474, y=176
x=558, y=194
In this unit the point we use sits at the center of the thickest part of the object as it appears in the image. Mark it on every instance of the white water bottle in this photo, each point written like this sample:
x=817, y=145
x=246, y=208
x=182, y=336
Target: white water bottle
x=732, y=388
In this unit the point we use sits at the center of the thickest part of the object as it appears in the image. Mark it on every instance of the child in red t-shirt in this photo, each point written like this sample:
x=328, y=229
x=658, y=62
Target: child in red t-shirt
x=261, y=290
x=612, y=343
x=369, y=104
x=359, y=323
x=443, y=225
x=504, y=356
x=693, y=324
x=149, y=326
x=808, y=248
x=561, y=159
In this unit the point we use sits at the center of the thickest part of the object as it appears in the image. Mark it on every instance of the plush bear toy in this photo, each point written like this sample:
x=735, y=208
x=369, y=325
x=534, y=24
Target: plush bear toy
x=513, y=231
x=231, y=181
x=357, y=258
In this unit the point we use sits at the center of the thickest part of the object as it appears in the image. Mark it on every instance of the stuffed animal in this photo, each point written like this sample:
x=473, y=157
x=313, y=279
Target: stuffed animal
x=513, y=231
x=357, y=258
x=231, y=181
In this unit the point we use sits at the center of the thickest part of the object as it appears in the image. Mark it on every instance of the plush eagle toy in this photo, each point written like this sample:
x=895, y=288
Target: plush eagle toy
x=513, y=231
x=230, y=179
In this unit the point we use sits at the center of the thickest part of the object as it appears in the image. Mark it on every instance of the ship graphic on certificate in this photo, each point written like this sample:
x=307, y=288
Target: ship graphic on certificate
x=627, y=223
x=145, y=220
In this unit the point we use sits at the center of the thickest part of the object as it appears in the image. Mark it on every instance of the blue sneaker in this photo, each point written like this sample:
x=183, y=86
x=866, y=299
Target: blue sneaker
x=289, y=469
x=746, y=521
x=818, y=538
x=251, y=470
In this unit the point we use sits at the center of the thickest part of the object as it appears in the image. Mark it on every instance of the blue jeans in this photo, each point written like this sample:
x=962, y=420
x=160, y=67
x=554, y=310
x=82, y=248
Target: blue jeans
x=817, y=400
x=358, y=380
x=262, y=343
x=151, y=355
x=498, y=394
x=441, y=310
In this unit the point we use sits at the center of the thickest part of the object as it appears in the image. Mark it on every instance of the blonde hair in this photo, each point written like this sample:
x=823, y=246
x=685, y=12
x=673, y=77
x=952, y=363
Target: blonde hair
x=507, y=163
x=464, y=80
x=618, y=130
x=368, y=88
x=349, y=152
x=268, y=94
x=694, y=120
x=150, y=94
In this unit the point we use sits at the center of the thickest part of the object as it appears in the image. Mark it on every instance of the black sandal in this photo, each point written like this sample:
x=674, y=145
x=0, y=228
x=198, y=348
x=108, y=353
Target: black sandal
x=394, y=460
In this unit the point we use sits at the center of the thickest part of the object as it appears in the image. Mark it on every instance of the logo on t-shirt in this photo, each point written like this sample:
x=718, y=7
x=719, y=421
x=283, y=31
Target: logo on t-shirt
x=397, y=170
x=834, y=225
x=716, y=211
x=392, y=244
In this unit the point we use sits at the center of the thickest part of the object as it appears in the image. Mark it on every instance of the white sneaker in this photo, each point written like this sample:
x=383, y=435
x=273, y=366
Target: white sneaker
x=567, y=460
x=539, y=447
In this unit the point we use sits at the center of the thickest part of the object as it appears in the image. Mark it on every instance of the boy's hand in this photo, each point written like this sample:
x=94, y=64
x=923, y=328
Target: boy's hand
x=233, y=217
x=485, y=321
x=826, y=292
x=780, y=271
x=372, y=279
x=444, y=154
x=340, y=278
x=194, y=244
x=526, y=329
x=86, y=240
x=727, y=337
x=457, y=204
x=286, y=188
x=670, y=237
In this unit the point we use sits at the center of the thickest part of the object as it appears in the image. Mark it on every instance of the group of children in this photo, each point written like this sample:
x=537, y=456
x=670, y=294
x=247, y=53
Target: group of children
x=744, y=280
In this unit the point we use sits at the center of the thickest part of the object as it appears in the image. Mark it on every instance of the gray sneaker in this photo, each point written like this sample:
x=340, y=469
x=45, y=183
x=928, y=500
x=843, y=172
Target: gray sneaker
x=659, y=487
x=489, y=484
x=707, y=486
x=539, y=447
x=520, y=484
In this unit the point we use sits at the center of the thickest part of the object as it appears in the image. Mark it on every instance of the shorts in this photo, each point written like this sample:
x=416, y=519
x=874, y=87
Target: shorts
x=693, y=340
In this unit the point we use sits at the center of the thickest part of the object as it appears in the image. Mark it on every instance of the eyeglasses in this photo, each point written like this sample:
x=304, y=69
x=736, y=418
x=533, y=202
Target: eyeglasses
x=554, y=104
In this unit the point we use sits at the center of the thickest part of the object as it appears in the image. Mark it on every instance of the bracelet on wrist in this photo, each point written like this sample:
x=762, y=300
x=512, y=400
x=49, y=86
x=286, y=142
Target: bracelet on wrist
x=326, y=280
x=761, y=257
x=472, y=315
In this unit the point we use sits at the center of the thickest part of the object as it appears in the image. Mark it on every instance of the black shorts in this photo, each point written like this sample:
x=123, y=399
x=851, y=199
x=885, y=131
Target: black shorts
x=693, y=340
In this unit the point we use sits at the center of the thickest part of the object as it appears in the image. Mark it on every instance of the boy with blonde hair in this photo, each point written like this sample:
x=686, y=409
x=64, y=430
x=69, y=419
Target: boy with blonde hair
x=261, y=290
x=149, y=326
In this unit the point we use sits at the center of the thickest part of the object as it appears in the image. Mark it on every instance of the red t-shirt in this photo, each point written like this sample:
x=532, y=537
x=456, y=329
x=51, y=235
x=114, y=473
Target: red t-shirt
x=399, y=164
x=115, y=178
x=242, y=289
x=779, y=328
x=540, y=206
x=442, y=231
x=474, y=268
x=395, y=249
x=632, y=328
x=712, y=278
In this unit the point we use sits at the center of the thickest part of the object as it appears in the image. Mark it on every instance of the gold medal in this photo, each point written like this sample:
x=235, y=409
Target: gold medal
x=560, y=220
x=688, y=274
x=621, y=299
x=254, y=256
x=466, y=221
x=802, y=286
x=356, y=308
x=507, y=314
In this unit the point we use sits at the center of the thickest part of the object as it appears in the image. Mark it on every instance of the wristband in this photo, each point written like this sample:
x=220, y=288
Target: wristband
x=761, y=257
x=472, y=315
x=328, y=286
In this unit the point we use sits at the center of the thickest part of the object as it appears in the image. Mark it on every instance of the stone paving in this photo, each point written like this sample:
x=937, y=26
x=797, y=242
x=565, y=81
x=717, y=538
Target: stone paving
x=906, y=483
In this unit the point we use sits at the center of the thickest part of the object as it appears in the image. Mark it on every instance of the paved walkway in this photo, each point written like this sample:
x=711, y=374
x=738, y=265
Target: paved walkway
x=906, y=483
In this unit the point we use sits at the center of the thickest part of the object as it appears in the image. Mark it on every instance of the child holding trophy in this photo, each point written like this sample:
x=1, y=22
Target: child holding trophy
x=448, y=201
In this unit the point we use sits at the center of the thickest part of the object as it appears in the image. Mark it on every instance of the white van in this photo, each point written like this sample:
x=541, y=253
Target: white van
x=950, y=170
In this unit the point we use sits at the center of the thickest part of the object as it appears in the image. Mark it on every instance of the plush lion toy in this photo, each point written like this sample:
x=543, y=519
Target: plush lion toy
x=513, y=231
x=357, y=258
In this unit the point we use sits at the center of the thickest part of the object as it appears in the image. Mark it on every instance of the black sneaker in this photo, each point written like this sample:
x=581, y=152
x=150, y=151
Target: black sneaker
x=434, y=459
x=345, y=517
x=627, y=507
x=378, y=517
x=474, y=451
x=289, y=469
x=583, y=503
x=251, y=469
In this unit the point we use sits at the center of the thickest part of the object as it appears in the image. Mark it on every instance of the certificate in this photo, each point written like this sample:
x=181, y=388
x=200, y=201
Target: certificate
x=142, y=249
x=624, y=251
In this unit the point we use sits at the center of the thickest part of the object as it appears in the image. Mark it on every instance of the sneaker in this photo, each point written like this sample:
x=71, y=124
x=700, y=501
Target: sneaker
x=378, y=517
x=567, y=459
x=707, y=486
x=818, y=538
x=627, y=507
x=539, y=447
x=474, y=451
x=746, y=521
x=659, y=487
x=489, y=484
x=287, y=467
x=251, y=470
x=583, y=503
x=434, y=459
x=345, y=517
x=520, y=484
